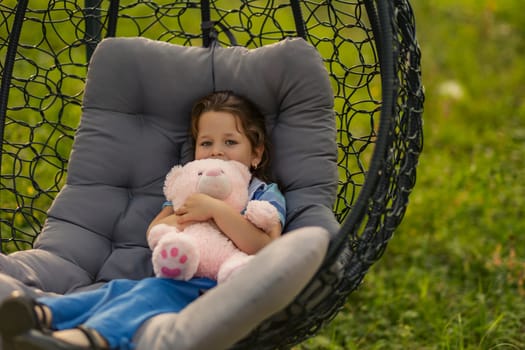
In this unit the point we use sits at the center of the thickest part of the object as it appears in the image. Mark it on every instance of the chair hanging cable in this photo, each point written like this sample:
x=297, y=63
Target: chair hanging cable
x=9, y=65
x=205, y=18
x=298, y=18
x=211, y=38
x=112, y=18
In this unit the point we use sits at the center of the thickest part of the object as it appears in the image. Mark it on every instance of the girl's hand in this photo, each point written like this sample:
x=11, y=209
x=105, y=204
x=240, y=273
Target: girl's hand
x=198, y=207
x=246, y=236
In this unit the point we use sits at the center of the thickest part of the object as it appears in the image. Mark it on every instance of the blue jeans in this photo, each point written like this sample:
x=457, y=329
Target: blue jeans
x=118, y=309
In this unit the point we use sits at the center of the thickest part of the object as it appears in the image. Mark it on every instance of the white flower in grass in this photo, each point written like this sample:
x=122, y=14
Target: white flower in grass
x=451, y=89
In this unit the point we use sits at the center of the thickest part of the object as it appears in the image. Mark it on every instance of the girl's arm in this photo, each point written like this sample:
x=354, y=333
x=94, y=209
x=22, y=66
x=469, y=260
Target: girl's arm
x=246, y=236
x=165, y=216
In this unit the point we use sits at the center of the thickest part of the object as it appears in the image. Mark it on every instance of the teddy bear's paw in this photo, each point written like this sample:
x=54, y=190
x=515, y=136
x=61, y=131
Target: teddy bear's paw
x=262, y=214
x=233, y=265
x=176, y=260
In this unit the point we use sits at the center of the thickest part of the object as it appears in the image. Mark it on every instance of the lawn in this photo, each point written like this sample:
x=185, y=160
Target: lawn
x=453, y=277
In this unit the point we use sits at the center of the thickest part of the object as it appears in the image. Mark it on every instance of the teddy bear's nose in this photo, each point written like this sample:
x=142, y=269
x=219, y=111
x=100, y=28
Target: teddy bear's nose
x=214, y=172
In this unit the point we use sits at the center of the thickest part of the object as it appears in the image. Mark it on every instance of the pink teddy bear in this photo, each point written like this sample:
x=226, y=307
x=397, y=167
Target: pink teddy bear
x=201, y=249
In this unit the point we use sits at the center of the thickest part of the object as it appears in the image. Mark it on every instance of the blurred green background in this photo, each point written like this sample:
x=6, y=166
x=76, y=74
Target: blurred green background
x=453, y=276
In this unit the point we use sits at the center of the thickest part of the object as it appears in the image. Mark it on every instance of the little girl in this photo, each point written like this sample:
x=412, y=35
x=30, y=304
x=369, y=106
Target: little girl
x=224, y=126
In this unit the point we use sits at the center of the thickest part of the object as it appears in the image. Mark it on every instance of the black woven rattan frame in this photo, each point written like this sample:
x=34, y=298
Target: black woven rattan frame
x=371, y=54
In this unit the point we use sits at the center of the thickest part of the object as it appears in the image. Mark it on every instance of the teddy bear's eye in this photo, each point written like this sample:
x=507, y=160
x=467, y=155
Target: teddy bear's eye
x=200, y=173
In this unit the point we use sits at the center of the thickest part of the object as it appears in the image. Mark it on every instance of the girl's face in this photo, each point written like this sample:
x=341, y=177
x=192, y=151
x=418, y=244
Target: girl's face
x=220, y=135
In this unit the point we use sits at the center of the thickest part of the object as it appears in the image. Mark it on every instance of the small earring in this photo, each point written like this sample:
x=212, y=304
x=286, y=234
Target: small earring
x=254, y=167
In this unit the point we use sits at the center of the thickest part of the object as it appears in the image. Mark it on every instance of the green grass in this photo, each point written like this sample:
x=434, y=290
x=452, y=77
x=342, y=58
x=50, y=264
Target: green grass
x=453, y=277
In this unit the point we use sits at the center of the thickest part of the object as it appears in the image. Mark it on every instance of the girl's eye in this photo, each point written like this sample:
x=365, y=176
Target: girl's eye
x=205, y=144
x=231, y=142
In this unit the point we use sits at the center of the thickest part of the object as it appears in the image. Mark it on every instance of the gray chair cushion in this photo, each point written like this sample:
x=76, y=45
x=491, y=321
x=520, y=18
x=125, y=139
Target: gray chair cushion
x=134, y=128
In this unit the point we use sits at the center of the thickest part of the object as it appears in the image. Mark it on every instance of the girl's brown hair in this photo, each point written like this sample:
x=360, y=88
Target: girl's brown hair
x=252, y=122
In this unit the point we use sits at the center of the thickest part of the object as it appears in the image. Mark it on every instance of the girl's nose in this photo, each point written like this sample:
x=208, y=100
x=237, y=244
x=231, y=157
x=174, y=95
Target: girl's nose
x=217, y=152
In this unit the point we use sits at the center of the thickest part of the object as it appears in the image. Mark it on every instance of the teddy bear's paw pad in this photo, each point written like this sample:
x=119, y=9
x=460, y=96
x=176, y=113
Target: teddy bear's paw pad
x=177, y=260
x=174, y=256
x=174, y=253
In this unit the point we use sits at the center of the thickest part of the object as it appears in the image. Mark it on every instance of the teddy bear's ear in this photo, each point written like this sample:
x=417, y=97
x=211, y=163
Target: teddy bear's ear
x=172, y=175
x=243, y=170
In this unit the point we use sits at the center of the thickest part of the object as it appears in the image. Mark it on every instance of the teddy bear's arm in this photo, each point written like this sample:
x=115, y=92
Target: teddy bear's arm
x=262, y=214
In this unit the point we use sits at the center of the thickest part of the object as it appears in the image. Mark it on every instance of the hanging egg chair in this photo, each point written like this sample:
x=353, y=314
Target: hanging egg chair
x=371, y=58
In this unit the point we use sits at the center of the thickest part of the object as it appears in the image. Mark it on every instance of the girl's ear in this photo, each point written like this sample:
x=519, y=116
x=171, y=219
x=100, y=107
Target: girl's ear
x=257, y=156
